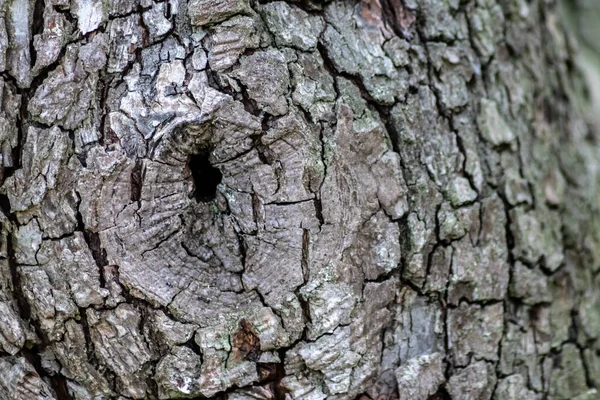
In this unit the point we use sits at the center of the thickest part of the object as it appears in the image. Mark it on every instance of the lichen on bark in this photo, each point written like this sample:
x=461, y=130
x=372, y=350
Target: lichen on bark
x=240, y=199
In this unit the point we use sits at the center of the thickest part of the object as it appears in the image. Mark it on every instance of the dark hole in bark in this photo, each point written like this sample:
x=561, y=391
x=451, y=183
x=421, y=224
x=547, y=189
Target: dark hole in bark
x=205, y=176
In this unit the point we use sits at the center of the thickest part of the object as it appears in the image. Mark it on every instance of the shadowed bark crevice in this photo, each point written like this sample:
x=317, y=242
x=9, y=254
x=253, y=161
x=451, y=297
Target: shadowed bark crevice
x=295, y=199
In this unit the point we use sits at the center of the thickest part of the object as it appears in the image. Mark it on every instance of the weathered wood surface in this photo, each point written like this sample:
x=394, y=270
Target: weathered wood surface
x=406, y=208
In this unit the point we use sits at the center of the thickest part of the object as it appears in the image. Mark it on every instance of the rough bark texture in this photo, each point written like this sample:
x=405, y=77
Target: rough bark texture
x=306, y=200
x=581, y=17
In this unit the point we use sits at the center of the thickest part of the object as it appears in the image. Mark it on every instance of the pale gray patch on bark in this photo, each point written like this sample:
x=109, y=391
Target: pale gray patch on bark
x=295, y=200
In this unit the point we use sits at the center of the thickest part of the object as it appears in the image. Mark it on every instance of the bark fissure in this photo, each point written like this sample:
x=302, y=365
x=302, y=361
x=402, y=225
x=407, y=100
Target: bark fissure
x=323, y=200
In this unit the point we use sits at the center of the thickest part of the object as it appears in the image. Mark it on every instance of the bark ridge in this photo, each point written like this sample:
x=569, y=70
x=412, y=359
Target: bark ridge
x=238, y=199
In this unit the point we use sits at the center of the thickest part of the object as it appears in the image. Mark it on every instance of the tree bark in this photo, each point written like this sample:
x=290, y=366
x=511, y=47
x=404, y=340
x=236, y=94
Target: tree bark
x=233, y=199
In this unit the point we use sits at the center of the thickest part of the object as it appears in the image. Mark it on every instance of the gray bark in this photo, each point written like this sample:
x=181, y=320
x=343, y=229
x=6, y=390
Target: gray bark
x=312, y=200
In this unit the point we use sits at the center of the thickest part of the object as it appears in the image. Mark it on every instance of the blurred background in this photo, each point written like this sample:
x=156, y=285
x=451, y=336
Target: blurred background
x=582, y=17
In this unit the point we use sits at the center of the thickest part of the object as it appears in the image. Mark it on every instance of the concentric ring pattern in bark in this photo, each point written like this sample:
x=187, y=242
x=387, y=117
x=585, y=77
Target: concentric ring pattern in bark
x=239, y=199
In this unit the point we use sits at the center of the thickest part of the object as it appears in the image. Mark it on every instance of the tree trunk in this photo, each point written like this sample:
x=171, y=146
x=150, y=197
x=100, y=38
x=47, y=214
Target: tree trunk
x=581, y=17
x=232, y=199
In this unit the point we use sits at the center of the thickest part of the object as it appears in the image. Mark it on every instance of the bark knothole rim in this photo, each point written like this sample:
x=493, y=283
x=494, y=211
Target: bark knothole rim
x=205, y=176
